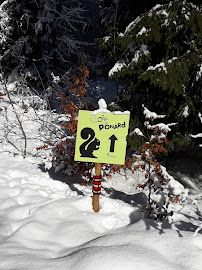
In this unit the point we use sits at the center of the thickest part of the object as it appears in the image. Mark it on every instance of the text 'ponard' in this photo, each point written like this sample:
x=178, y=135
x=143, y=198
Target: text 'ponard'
x=119, y=125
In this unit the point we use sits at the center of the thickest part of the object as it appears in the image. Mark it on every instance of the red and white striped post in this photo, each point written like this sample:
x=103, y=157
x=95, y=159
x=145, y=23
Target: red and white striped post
x=97, y=180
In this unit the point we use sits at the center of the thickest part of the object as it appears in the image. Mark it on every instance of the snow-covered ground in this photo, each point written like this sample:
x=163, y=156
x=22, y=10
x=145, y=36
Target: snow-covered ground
x=47, y=224
x=50, y=225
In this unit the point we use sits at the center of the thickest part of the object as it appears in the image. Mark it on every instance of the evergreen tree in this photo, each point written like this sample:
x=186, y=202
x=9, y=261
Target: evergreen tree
x=158, y=61
x=40, y=36
x=115, y=15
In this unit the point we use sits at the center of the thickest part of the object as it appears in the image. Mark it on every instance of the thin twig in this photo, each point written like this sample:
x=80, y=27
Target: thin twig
x=17, y=117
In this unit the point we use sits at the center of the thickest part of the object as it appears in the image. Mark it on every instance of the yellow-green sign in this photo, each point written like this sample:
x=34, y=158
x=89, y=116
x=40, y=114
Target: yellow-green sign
x=101, y=138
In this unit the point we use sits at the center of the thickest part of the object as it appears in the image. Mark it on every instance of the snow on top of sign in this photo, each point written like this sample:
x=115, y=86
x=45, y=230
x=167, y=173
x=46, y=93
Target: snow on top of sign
x=119, y=112
x=100, y=111
x=103, y=109
x=102, y=104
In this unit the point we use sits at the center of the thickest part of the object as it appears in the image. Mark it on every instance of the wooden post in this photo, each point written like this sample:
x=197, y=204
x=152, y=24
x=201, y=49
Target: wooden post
x=96, y=196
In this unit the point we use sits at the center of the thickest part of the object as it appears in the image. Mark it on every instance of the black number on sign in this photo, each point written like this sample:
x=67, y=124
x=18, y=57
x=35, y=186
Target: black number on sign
x=88, y=147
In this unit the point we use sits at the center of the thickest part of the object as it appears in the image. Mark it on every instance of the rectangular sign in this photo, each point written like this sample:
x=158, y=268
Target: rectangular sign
x=101, y=138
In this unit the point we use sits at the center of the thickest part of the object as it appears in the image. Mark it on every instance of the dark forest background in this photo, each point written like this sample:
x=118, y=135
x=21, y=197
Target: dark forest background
x=41, y=39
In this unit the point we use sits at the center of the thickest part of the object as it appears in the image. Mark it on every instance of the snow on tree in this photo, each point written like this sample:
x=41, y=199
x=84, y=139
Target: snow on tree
x=199, y=135
x=40, y=37
x=158, y=61
x=162, y=189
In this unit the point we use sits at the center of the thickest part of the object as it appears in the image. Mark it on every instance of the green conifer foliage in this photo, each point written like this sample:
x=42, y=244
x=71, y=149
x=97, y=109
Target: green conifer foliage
x=158, y=58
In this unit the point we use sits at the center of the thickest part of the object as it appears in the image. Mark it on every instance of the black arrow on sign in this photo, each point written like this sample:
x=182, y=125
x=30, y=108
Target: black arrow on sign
x=113, y=138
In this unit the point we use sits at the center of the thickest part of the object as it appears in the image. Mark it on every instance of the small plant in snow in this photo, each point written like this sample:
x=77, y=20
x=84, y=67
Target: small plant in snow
x=161, y=188
x=24, y=118
x=61, y=156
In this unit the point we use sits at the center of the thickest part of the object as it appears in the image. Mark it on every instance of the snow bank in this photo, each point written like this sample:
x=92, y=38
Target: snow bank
x=46, y=224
